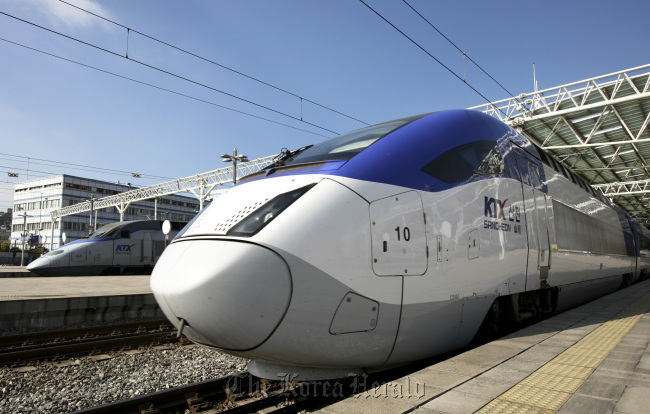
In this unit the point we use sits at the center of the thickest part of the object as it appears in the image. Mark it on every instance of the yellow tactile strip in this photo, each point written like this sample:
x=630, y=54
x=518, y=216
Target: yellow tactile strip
x=548, y=388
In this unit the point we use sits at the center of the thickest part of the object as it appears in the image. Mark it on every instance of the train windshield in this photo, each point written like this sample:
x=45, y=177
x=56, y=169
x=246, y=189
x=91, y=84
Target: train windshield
x=108, y=230
x=54, y=253
x=346, y=146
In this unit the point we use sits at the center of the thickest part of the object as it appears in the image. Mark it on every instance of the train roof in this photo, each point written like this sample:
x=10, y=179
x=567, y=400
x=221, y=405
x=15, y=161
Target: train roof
x=417, y=152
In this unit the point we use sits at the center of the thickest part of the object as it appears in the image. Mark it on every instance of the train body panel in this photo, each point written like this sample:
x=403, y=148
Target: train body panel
x=390, y=244
x=131, y=247
x=589, y=240
x=642, y=238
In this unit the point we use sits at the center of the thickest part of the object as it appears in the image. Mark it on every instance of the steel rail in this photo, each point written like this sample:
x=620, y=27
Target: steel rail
x=40, y=353
x=165, y=399
x=227, y=394
x=85, y=345
x=59, y=335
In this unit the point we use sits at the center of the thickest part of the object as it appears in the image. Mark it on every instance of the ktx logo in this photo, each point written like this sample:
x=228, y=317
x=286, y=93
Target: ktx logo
x=495, y=208
x=123, y=248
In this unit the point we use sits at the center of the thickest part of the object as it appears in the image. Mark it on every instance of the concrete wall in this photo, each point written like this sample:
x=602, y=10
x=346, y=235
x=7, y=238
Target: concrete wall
x=60, y=312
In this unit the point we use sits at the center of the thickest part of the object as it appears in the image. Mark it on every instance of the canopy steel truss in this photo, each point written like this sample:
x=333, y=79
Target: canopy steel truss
x=597, y=127
x=201, y=185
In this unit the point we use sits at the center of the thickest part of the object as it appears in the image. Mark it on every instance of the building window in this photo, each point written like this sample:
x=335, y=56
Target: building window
x=78, y=187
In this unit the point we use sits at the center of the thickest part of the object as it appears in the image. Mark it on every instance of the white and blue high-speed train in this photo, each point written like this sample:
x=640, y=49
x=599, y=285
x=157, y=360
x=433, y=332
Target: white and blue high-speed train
x=391, y=244
x=116, y=248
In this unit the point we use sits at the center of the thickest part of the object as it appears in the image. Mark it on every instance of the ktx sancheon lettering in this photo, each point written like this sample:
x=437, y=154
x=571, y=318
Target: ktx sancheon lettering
x=508, y=216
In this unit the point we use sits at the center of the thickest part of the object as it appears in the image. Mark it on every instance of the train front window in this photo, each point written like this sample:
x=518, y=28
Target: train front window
x=109, y=230
x=54, y=253
x=466, y=161
x=346, y=146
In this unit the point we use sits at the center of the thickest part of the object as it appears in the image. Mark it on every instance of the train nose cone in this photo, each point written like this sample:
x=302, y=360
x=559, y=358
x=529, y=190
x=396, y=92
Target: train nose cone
x=231, y=295
x=39, y=264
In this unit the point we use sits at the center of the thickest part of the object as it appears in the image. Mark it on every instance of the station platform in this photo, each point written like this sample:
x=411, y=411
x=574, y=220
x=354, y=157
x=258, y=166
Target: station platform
x=15, y=271
x=592, y=359
x=72, y=286
x=55, y=302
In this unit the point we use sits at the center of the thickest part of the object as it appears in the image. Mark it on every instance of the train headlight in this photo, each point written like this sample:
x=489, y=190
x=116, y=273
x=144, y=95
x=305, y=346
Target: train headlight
x=257, y=220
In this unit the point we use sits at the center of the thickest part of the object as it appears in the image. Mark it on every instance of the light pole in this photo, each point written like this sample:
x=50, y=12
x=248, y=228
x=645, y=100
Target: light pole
x=234, y=158
x=40, y=221
x=92, y=207
x=22, y=253
x=40, y=217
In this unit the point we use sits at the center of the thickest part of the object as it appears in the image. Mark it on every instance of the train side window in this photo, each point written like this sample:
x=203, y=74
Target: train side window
x=581, y=232
x=125, y=234
x=466, y=161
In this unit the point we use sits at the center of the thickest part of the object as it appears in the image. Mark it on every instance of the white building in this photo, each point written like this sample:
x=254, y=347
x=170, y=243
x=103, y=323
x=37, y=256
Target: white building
x=38, y=197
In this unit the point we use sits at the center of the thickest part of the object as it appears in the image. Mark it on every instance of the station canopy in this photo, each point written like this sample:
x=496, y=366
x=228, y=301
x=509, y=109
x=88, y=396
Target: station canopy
x=597, y=127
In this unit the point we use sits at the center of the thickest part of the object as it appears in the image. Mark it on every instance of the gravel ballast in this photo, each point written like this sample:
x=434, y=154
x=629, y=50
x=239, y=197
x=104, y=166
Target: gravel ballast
x=89, y=383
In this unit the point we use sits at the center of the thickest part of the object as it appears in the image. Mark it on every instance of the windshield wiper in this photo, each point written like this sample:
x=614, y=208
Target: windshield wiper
x=285, y=154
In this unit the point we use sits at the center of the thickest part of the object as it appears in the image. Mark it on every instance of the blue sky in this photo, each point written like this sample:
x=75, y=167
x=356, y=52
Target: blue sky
x=337, y=53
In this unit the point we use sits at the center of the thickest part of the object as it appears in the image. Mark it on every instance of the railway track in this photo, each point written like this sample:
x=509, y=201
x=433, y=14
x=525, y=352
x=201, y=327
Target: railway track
x=244, y=393
x=233, y=394
x=18, y=349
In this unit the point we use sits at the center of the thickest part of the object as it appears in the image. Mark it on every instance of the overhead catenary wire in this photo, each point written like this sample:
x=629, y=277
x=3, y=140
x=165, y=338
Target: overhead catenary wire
x=76, y=166
x=302, y=98
x=169, y=73
x=512, y=95
x=465, y=55
x=428, y=53
x=34, y=174
x=162, y=89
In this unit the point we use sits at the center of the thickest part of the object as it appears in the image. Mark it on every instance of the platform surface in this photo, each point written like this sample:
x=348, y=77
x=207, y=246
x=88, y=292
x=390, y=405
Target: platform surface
x=593, y=359
x=18, y=288
x=15, y=271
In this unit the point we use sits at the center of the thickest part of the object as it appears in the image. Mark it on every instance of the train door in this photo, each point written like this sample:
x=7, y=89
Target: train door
x=398, y=235
x=399, y=250
x=536, y=204
x=135, y=258
x=78, y=255
x=123, y=249
x=147, y=249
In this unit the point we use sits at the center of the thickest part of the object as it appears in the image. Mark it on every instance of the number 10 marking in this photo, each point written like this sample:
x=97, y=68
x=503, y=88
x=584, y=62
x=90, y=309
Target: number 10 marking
x=406, y=233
